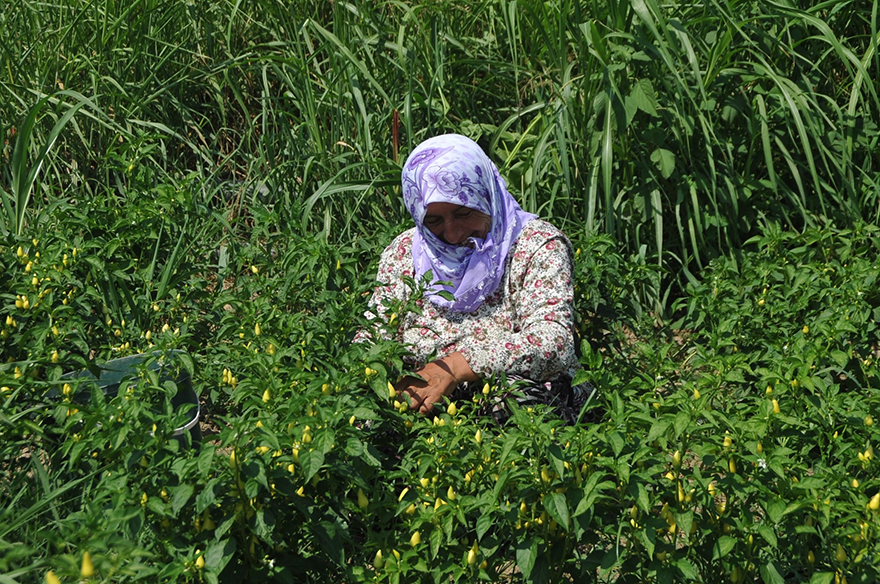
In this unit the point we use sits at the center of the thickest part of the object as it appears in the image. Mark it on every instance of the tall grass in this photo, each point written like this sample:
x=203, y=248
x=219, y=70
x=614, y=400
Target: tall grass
x=680, y=129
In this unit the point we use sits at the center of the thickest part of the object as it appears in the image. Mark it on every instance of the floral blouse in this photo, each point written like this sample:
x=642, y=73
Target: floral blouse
x=525, y=328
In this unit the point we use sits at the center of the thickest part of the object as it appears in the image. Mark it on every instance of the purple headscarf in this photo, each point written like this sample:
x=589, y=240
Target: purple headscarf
x=454, y=169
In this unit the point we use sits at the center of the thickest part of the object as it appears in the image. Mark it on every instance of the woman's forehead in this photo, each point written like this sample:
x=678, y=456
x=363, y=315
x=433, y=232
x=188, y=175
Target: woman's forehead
x=441, y=208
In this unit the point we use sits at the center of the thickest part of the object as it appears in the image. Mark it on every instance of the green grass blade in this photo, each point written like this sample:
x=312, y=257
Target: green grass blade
x=23, y=179
x=350, y=57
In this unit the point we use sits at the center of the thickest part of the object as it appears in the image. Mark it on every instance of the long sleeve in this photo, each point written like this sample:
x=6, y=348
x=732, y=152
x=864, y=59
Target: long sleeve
x=526, y=327
x=540, y=345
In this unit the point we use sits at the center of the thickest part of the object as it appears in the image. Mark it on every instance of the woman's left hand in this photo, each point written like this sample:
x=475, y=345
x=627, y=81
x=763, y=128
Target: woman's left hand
x=439, y=379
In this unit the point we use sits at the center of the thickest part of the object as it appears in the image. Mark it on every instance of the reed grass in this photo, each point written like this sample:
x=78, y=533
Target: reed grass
x=680, y=129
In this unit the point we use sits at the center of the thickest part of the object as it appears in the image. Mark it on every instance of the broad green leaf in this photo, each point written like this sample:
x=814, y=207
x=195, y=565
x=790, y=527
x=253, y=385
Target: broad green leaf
x=557, y=508
x=526, y=553
x=581, y=376
x=354, y=447
x=541, y=572
x=777, y=468
x=770, y=574
x=362, y=413
x=809, y=483
x=682, y=419
x=644, y=97
x=506, y=449
x=264, y=523
x=631, y=109
x=822, y=578
x=616, y=441
x=768, y=534
x=225, y=526
x=723, y=546
x=449, y=521
x=684, y=521
x=643, y=499
x=686, y=568
x=218, y=553
x=776, y=510
x=379, y=385
x=180, y=495
x=793, y=506
x=623, y=469
x=311, y=461
x=592, y=489
x=331, y=535
x=665, y=161
x=557, y=459
x=648, y=537
x=484, y=523
x=371, y=455
x=658, y=428
x=500, y=484
x=609, y=560
x=206, y=459
x=207, y=495
x=841, y=358
x=435, y=540
x=156, y=505
x=324, y=440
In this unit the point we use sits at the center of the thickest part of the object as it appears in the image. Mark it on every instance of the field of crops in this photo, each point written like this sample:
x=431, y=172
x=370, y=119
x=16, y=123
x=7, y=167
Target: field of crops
x=211, y=184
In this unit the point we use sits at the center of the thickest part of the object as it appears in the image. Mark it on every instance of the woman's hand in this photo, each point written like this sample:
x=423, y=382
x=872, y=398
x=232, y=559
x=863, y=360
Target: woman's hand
x=439, y=379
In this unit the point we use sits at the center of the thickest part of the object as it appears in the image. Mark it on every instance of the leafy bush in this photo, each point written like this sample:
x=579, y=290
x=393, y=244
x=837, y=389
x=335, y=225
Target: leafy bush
x=687, y=471
x=218, y=179
x=677, y=129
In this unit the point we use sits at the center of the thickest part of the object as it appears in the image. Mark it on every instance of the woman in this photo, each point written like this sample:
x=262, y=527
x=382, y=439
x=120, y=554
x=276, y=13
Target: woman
x=501, y=296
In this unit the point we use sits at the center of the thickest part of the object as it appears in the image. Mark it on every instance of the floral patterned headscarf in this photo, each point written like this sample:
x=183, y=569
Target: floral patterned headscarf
x=454, y=169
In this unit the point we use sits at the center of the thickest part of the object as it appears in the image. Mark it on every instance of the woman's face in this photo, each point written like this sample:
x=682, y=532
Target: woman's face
x=454, y=224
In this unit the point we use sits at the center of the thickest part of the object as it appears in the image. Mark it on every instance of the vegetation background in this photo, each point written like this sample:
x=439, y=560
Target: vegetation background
x=220, y=177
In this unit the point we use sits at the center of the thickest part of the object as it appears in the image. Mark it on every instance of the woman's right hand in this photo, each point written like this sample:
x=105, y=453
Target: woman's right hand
x=438, y=379
x=435, y=383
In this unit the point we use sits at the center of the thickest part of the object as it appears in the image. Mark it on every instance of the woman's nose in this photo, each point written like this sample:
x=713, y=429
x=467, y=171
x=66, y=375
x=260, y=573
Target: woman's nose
x=454, y=233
